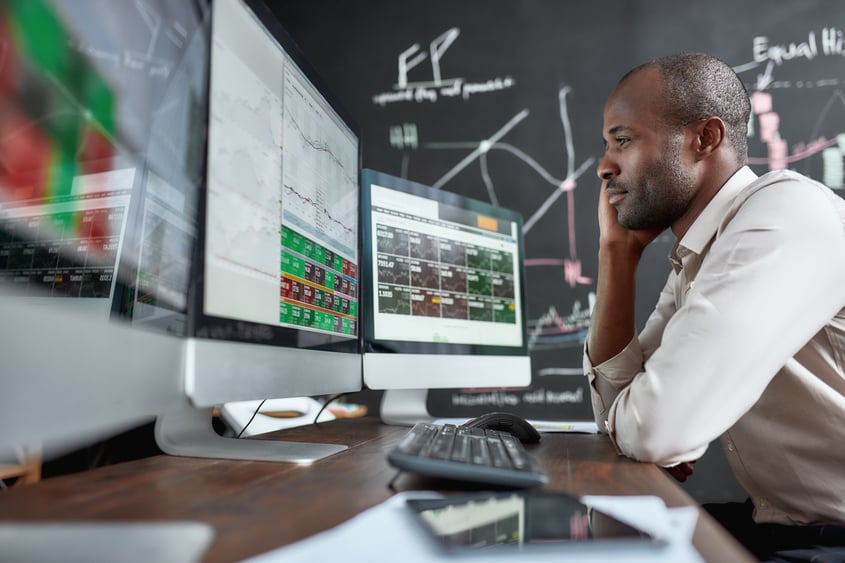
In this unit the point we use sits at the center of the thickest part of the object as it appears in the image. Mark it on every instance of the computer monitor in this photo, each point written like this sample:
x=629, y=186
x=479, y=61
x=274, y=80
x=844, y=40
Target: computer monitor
x=72, y=129
x=444, y=288
x=273, y=308
x=72, y=374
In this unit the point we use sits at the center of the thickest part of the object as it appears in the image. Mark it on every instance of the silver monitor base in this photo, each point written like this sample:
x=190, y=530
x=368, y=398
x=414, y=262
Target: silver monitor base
x=405, y=407
x=104, y=542
x=187, y=432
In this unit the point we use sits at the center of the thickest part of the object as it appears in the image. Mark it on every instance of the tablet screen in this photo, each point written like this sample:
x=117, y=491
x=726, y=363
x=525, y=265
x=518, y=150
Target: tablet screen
x=520, y=519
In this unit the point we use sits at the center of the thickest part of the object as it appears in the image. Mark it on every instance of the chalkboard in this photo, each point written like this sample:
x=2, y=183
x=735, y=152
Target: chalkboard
x=502, y=101
x=134, y=47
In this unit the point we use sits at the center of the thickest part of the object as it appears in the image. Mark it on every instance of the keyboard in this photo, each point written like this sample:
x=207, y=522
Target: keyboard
x=467, y=454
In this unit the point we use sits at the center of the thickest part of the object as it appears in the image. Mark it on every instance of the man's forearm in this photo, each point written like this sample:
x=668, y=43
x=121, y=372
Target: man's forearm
x=613, y=321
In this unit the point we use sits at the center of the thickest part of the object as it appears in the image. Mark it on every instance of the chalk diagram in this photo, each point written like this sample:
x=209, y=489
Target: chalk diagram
x=552, y=329
x=826, y=138
x=155, y=29
x=175, y=34
x=134, y=52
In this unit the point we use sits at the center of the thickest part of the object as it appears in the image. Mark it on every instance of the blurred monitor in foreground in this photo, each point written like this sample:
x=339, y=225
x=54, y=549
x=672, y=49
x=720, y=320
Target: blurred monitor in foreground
x=178, y=222
x=77, y=90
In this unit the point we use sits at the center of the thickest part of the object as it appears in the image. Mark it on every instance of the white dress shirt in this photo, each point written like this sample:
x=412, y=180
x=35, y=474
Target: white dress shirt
x=746, y=344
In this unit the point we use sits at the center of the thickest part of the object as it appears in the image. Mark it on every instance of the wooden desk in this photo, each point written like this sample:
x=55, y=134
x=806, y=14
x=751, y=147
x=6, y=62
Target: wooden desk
x=257, y=506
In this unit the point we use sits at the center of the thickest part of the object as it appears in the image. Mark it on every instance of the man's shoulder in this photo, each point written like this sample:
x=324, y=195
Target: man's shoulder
x=787, y=179
x=779, y=176
x=786, y=193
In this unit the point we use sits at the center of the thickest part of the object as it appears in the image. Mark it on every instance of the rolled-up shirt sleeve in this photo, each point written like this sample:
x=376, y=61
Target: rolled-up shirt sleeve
x=608, y=379
x=611, y=378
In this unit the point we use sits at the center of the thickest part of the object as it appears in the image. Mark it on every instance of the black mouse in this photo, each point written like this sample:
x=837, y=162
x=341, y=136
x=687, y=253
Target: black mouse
x=506, y=422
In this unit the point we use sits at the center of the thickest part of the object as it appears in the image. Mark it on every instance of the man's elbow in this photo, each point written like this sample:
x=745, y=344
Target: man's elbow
x=661, y=446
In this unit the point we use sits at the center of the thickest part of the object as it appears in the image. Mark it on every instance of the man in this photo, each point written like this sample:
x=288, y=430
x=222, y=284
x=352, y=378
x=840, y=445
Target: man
x=747, y=340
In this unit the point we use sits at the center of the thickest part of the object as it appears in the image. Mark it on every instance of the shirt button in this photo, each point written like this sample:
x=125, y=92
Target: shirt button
x=730, y=446
x=763, y=503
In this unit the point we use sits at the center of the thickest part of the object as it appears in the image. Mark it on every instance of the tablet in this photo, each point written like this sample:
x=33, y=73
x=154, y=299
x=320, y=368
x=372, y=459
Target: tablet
x=521, y=520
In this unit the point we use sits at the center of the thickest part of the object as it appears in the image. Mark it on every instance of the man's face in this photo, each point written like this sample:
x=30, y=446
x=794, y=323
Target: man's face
x=649, y=182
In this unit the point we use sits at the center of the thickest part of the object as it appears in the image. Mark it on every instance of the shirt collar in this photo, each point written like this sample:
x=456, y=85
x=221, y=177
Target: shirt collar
x=705, y=225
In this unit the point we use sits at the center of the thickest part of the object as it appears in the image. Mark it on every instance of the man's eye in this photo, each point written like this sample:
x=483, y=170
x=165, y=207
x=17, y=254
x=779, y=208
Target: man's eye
x=622, y=141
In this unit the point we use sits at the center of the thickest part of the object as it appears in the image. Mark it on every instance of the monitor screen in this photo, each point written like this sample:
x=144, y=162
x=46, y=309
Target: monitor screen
x=60, y=243
x=273, y=304
x=445, y=289
x=281, y=213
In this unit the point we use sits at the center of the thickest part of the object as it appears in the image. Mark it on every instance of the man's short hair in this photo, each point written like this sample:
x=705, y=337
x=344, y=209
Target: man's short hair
x=697, y=86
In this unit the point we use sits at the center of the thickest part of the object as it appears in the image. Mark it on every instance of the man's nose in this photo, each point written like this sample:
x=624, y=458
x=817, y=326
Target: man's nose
x=606, y=168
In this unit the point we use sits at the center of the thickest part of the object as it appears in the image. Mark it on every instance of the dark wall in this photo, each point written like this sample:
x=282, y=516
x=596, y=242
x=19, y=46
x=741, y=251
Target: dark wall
x=525, y=82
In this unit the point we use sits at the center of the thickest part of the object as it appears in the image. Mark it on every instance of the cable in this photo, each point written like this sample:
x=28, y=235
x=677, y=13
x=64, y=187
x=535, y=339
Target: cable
x=316, y=418
x=258, y=408
x=331, y=400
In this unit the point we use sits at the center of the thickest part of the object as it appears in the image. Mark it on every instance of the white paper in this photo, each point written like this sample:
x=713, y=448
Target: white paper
x=388, y=532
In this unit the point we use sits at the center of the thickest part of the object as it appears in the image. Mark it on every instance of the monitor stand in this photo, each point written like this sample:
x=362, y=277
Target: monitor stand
x=405, y=407
x=102, y=542
x=187, y=431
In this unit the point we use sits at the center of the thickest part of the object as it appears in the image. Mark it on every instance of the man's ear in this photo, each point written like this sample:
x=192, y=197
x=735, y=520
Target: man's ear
x=709, y=136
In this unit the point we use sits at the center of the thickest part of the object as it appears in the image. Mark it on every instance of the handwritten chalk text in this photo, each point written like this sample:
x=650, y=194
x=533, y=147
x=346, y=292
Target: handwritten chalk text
x=829, y=42
x=458, y=88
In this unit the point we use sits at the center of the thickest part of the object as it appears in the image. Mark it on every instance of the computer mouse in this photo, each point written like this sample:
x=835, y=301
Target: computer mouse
x=506, y=422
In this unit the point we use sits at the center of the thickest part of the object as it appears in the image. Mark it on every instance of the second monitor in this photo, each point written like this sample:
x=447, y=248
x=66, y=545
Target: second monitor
x=445, y=294
x=273, y=304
